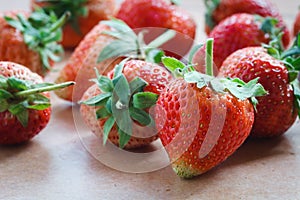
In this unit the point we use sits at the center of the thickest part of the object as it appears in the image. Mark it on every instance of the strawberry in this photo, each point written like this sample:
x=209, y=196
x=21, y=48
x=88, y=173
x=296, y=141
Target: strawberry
x=162, y=14
x=25, y=105
x=277, y=111
x=236, y=32
x=202, y=120
x=116, y=108
x=101, y=49
x=31, y=40
x=85, y=14
x=296, y=27
x=218, y=10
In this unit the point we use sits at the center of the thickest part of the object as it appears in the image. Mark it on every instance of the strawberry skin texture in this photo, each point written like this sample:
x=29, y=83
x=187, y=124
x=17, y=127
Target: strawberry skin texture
x=80, y=66
x=263, y=8
x=13, y=47
x=97, y=10
x=184, y=115
x=297, y=24
x=157, y=78
x=235, y=32
x=11, y=130
x=276, y=112
x=162, y=14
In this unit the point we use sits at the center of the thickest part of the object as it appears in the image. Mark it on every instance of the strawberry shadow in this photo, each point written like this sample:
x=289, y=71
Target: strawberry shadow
x=23, y=165
x=260, y=149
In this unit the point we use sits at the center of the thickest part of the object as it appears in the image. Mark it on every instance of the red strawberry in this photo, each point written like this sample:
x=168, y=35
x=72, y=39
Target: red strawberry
x=25, y=105
x=236, y=32
x=162, y=14
x=128, y=125
x=297, y=24
x=85, y=14
x=277, y=111
x=202, y=120
x=221, y=9
x=30, y=40
x=101, y=49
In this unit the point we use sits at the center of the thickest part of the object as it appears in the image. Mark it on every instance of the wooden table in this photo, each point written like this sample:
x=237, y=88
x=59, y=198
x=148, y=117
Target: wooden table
x=58, y=164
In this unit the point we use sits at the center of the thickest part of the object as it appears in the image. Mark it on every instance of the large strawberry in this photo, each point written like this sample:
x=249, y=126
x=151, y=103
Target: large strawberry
x=162, y=14
x=218, y=10
x=116, y=108
x=85, y=14
x=24, y=103
x=236, y=32
x=277, y=111
x=100, y=48
x=296, y=27
x=201, y=119
x=31, y=40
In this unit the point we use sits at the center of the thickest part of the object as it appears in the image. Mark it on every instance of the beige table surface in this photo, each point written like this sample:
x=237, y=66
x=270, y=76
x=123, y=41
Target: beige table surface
x=60, y=163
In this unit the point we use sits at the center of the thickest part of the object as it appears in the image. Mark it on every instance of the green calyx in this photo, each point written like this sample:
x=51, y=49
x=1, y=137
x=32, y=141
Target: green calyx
x=121, y=103
x=129, y=44
x=236, y=87
x=176, y=2
x=18, y=96
x=76, y=8
x=41, y=32
x=210, y=5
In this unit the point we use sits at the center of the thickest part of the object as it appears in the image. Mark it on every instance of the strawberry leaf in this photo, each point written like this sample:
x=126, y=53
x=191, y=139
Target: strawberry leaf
x=173, y=64
x=41, y=32
x=137, y=85
x=97, y=100
x=17, y=84
x=144, y=100
x=296, y=88
x=19, y=110
x=140, y=116
x=122, y=90
x=4, y=94
x=107, y=128
x=124, y=138
x=3, y=105
x=102, y=113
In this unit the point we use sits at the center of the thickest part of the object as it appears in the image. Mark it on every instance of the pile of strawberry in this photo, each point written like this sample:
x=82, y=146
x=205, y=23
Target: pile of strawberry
x=134, y=84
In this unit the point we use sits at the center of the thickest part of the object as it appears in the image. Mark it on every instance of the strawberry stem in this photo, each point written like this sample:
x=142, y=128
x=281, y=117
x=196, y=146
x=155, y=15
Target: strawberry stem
x=43, y=89
x=209, y=57
x=61, y=21
x=160, y=40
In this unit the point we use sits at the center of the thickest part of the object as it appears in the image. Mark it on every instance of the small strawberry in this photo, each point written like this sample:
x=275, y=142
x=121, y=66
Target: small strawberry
x=202, y=120
x=296, y=29
x=85, y=14
x=218, y=10
x=103, y=48
x=162, y=14
x=31, y=40
x=236, y=32
x=277, y=111
x=24, y=103
x=117, y=108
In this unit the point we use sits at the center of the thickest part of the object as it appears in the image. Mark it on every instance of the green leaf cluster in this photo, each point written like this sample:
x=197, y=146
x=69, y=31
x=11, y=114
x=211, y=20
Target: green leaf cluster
x=76, y=8
x=41, y=32
x=121, y=103
x=129, y=44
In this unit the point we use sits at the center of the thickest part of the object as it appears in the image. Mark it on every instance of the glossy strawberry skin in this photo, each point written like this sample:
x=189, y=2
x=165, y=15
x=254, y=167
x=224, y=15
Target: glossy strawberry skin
x=200, y=128
x=235, y=32
x=263, y=8
x=276, y=112
x=157, y=78
x=160, y=13
x=97, y=10
x=11, y=130
x=13, y=47
x=80, y=66
x=296, y=29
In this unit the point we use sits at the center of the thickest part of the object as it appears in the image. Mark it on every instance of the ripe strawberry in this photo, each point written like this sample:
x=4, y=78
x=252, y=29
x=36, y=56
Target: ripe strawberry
x=85, y=14
x=202, y=120
x=30, y=40
x=24, y=103
x=101, y=49
x=218, y=10
x=117, y=108
x=297, y=24
x=163, y=14
x=236, y=32
x=277, y=111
